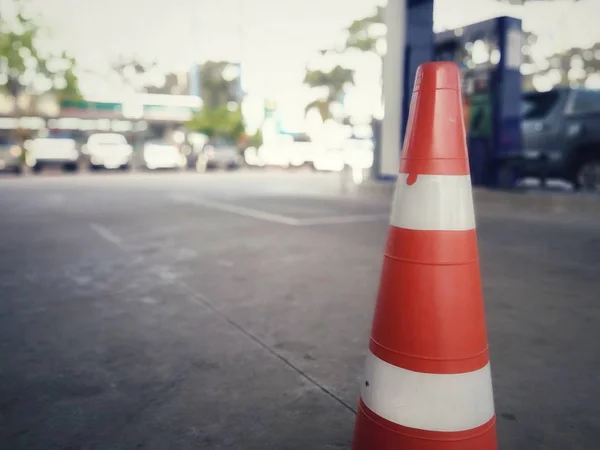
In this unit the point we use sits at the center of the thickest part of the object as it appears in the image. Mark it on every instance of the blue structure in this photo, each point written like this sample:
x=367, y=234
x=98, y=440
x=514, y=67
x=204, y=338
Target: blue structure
x=489, y=55
x=419, y=49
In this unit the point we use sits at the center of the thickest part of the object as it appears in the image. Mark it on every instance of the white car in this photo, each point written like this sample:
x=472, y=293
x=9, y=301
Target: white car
x=302, y=150
x=329, y=160
x=108, y=151
x=159, y=154
x=58, y=149
x=358, y=153
x=274, y=154
x=251, y=157
x=288, y=151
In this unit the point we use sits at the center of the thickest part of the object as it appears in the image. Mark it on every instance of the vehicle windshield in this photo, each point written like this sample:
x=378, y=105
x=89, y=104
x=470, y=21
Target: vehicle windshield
x=301, y=138
x=537, y=105
x=159, y=142
x=6, y=140
x=221, y=144
x=107, y=139
x=58, y=135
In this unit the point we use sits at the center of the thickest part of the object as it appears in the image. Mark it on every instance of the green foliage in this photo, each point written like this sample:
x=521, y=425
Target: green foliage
x=322, y=106
x=256, y=140
x=335, y=81
x=217, y=86
x=359, y=32
x=23, y=64
x=134, y=71
x=361, y=36
x=70, y=90
x=218, y=122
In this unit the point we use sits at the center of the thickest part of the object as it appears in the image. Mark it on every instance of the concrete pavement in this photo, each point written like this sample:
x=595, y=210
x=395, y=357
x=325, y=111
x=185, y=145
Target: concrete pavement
x=232, y=311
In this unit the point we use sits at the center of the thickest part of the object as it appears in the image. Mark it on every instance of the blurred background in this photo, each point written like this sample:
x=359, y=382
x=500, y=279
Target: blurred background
x=195, y=199
x=203, y=85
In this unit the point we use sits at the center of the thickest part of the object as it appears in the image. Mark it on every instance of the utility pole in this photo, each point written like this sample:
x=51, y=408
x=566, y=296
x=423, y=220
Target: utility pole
x=241, y=5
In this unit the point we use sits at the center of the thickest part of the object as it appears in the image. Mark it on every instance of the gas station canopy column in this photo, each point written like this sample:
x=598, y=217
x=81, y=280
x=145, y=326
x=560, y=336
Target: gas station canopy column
x=409, y=44
x=489, y=57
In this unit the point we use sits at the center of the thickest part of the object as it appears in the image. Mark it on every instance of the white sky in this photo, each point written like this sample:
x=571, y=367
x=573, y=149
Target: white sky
x=275, y=37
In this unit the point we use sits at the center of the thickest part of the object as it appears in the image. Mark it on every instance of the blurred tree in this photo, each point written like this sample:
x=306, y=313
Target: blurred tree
x=218, y=122
x=575, y=67
x=322, y=107
x=334, y=82
x=146, y=77
x=221, y=94
x=135, y=73
x=23, y=68
x=256, y=140
x=172, y=85
x=364, y=33
x=220, y=83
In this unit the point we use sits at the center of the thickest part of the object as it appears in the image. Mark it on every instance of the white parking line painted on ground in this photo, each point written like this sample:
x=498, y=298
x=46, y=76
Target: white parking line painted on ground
x=278, y=218
x=107, y=235
x=240, y=210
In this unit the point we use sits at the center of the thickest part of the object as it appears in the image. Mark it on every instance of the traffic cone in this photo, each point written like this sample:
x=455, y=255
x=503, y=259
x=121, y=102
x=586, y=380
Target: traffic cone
x=427, y=383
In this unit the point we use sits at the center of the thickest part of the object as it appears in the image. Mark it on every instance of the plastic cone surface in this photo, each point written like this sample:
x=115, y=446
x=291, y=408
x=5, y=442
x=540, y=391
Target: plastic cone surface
x=427, y=382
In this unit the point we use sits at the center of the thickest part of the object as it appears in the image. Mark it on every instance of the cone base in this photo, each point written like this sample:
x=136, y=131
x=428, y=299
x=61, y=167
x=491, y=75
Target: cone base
x=375, y=433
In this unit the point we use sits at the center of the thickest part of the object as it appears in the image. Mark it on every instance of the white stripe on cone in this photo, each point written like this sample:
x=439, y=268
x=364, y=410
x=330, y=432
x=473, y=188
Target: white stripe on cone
x=433, y=402
x=433, y=202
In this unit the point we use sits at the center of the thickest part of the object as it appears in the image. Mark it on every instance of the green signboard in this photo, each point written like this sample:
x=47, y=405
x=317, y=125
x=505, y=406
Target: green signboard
x=93, y=106
x=101, y=106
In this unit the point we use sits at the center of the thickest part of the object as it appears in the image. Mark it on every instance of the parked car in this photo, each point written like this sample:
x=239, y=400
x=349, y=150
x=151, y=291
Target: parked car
x=358, y=153
x=561, y=136
x=302, y=150
x=274, y=153
x=108, y=151
x=252, y=158
x=287, y=150
x=329, y=160
x=219, y=154
x=58, y=149
x=10, y=155
x=161, y=154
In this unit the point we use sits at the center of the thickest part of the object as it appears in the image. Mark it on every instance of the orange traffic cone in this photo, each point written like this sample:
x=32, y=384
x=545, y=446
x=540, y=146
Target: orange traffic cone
x=427, y=382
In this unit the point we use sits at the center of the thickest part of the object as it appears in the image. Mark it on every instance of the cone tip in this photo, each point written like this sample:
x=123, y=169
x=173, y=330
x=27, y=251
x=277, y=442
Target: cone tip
x=437, y=75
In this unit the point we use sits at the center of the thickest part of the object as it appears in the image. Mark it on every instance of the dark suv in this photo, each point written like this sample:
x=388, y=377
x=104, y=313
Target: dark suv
x=561, y=136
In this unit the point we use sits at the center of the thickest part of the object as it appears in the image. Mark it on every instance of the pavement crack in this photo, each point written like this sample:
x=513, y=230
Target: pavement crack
x=203, y=300
x=207, y=303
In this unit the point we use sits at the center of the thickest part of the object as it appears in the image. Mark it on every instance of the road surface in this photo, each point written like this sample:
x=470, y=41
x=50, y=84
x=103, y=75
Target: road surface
x=232, y=311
